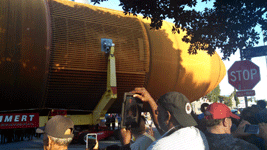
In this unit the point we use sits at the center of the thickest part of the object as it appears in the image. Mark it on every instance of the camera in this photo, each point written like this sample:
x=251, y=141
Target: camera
x=91, y=140
x=252, y=129
x=131, y=111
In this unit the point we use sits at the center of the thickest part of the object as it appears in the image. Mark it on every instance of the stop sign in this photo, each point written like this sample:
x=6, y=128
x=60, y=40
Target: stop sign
x=243, y=75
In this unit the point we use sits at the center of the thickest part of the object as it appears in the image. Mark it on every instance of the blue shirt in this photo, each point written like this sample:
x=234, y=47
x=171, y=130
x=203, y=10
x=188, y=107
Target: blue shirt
x=227, y=142
x=262, y=116
x=200, y=116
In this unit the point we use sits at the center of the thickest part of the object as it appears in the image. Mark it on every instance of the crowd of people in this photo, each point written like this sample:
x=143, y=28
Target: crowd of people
x=15, y=135
x=111, y=120
x=217, y=128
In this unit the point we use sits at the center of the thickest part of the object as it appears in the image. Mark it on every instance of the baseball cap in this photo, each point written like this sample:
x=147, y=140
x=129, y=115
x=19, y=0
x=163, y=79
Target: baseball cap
x=219, y=111
x=57, y=126
x=179, y=107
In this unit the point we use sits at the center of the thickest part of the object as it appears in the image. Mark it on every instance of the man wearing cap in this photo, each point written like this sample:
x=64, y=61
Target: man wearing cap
x=262, y=115
x=58, y=133
x=172, y=117
x=218, y=121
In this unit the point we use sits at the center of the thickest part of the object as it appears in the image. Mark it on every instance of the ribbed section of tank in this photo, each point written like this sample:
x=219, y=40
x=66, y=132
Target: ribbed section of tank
x=78, y=67
x=65, y=45
x=23, y=53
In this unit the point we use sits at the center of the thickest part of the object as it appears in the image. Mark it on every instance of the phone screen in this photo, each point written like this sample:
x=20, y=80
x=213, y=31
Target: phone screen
x=131, y=110
x=91, y=140
x=252, y=129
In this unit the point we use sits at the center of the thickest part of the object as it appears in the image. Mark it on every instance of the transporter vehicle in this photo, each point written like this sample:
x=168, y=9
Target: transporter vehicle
x=51, y=59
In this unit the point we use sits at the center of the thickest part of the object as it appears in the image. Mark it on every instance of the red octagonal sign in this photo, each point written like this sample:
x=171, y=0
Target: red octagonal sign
x=244, y=75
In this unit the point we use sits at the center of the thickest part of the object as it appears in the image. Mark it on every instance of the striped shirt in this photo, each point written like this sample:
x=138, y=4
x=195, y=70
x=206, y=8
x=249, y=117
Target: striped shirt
x=188, y=138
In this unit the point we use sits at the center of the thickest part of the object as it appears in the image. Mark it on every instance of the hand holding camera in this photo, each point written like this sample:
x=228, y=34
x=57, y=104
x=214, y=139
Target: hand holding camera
x=131, y=110
x=142, y=94
x=241, y=129
x=91, y=141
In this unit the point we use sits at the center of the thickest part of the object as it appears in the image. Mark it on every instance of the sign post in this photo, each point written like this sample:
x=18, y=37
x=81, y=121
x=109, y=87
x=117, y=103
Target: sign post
x=244, y=75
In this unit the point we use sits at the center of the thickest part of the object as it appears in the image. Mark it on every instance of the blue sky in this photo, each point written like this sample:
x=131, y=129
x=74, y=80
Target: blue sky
x=226, y=88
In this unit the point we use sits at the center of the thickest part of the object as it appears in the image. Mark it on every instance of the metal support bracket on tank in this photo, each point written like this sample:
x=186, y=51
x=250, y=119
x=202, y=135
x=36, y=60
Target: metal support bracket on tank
x=110, y=95
x=106, y=44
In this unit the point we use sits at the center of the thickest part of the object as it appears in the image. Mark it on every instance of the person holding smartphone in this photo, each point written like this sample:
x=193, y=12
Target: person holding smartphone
x=143, y=139
x=218, y=121
x=172, y=117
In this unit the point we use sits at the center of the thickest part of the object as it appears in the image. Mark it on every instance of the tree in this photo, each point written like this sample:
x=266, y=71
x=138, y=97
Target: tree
x=236, y=98
x=214, y=94
x=228, y=100
x=229, y=25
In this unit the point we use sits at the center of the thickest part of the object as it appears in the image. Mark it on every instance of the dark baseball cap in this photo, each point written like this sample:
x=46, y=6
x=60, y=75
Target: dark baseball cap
x=57, y=127
x=179, y=107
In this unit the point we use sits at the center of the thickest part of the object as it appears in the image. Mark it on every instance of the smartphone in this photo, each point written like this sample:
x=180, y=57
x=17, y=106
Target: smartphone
x=131, y=110
x=252, y=129
x=91, y=139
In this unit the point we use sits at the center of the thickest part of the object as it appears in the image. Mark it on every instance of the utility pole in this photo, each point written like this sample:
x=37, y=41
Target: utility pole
x=246, y=99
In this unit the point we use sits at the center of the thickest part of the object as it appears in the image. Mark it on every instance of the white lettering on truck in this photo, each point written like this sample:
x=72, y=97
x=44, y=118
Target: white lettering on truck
x=16, y=118
x=8, y=118
x=23, y=118
x=31, y=116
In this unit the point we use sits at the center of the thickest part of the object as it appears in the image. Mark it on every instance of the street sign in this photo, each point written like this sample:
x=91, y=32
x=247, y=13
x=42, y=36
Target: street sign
x=243, y=75
x=245, y=93
x=254, y=52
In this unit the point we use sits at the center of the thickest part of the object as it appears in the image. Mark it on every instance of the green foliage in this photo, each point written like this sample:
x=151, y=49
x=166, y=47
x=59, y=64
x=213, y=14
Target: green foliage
x=228, y=25
x=236, y=98
x=228, y=101
x=214, y=94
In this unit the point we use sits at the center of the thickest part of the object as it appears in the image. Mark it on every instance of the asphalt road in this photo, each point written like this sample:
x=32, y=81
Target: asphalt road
x=37, y=144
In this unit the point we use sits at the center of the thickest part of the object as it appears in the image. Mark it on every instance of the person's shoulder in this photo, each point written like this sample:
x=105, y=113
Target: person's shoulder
x=147, y=136
x=227, y=141
x=218, y=141
x=160, y=144
x=187, y=137
x=141, y=143
x=188, y=130
x=245, y=145
x=264, y=111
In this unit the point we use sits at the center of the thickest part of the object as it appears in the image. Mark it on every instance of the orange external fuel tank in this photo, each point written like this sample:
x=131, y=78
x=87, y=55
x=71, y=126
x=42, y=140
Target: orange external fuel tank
x=50, y=56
